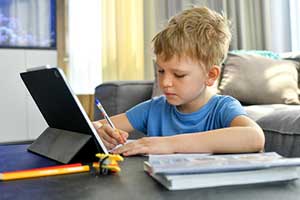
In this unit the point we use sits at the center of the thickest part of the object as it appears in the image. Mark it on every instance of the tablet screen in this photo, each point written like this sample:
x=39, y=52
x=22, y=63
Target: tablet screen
x=57, y=103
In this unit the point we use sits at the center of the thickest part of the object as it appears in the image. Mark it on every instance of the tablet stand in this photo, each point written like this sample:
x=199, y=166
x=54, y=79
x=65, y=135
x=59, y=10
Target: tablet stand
x=65, y=146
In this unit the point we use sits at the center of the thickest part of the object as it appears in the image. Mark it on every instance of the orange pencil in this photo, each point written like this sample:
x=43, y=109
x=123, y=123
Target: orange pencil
x=50, y=167
x=43, y=172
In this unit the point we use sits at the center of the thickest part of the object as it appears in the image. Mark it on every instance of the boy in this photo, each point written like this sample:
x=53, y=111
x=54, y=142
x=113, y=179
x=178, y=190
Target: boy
x=188, y=118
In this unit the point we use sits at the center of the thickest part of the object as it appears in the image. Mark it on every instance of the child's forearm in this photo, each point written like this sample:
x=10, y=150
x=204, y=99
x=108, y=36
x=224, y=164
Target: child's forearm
x=226, y=140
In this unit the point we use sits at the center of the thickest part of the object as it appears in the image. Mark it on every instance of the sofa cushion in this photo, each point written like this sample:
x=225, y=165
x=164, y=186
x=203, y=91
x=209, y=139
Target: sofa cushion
x=254, y=79
x=256, y=112
x=281, y=125
x=119, y=96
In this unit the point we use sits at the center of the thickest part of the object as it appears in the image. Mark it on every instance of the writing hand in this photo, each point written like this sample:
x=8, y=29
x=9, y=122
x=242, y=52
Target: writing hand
x=110, y=137
x=146, y=145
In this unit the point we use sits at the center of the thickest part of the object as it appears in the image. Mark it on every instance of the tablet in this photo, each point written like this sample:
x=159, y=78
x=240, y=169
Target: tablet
x=70, y=133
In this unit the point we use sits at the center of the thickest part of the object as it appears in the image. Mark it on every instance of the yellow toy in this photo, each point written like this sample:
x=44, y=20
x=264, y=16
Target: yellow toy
x=108, y=163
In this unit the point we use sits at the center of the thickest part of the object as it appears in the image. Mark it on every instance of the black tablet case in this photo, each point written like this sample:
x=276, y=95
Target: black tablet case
x=68, y=138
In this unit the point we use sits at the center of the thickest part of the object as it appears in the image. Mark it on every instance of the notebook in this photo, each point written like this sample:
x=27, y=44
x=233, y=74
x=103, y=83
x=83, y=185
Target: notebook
x=70, y=136
x=189, y=171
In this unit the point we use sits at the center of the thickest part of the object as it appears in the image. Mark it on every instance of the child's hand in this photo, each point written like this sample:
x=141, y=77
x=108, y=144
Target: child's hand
x=146, y=145
x=110, y=137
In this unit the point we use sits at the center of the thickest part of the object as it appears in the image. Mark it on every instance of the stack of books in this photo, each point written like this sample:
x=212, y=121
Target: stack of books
x=188, y=171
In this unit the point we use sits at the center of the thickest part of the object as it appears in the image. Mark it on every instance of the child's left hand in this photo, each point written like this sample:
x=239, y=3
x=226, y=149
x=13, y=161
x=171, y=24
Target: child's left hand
x=146, y=145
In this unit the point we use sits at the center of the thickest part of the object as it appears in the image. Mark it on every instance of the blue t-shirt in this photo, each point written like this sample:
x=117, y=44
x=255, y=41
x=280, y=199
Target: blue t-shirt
x=156, y=117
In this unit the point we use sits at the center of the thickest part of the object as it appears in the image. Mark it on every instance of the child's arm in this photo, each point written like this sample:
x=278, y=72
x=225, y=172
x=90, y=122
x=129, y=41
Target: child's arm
x=243, y=135
x=111, y=137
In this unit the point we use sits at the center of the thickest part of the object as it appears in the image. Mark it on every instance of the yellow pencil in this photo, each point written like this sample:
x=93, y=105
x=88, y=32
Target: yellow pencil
x=43, y=172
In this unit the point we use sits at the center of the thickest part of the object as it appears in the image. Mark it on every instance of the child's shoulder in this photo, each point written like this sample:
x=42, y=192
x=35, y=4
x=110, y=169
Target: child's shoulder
x=160, y=102
x=222, y=100
x=159, y=99
x=221, y=97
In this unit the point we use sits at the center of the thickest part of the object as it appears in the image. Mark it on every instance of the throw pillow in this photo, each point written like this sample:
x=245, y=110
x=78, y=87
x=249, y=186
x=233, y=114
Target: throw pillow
x=254, y=79
x=295, y=55
x=264, y=53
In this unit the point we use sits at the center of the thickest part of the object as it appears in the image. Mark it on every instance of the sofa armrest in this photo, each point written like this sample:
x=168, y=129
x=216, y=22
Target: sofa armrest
x=118, y=96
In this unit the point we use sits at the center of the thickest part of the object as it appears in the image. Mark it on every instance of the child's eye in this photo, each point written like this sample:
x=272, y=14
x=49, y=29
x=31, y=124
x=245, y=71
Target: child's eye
x=161, y=71
x=179, y=75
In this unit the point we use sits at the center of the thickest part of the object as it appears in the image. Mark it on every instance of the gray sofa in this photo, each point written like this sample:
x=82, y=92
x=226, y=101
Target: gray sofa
x=281, y=123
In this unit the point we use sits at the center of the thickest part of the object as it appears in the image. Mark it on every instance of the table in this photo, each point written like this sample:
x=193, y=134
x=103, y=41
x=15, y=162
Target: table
x=132, y=183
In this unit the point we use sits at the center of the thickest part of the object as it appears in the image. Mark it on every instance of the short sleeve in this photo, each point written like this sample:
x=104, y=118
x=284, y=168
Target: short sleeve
x=230, y=110
x=138, y=115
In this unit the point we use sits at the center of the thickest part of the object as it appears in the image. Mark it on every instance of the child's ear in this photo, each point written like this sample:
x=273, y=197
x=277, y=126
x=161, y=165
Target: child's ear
x=212, y=75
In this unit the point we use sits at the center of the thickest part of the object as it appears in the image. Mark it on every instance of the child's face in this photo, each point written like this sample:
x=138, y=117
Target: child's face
x=183, y=81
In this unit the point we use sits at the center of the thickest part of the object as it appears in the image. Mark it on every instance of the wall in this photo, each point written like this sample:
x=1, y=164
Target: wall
x=20, y=119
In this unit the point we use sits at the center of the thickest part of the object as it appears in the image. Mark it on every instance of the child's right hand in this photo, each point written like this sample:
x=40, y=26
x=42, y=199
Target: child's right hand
x=110, y=137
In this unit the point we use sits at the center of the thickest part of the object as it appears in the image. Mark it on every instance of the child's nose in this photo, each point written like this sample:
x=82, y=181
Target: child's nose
x=167, y=81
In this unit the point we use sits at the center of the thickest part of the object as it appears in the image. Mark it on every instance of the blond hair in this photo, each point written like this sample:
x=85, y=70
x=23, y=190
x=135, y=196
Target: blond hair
x=199, y=33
